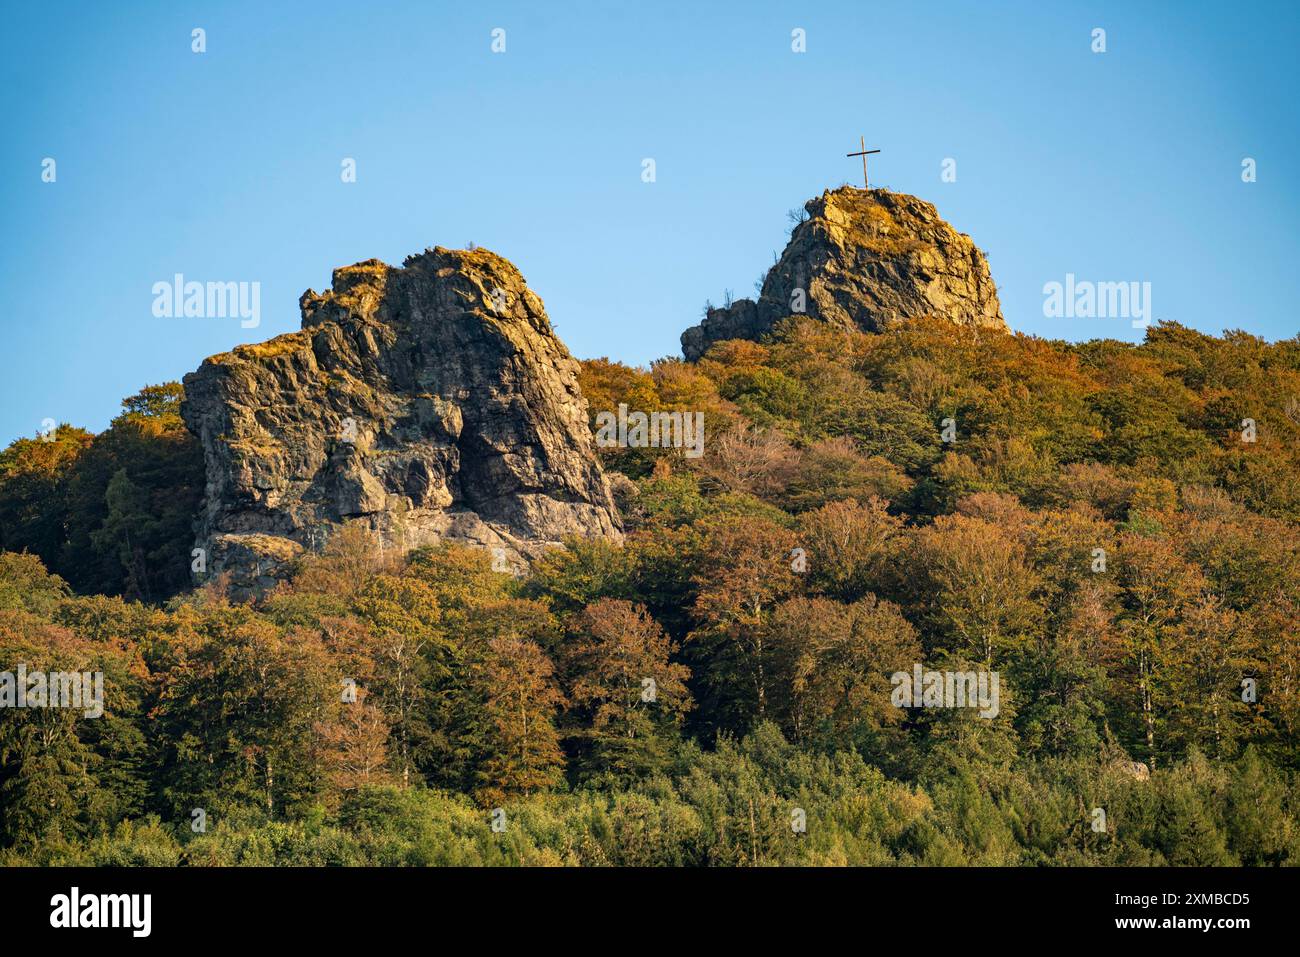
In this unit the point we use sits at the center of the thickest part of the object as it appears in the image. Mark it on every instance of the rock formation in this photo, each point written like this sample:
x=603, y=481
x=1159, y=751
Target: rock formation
x=431, y=402
x=864, y=259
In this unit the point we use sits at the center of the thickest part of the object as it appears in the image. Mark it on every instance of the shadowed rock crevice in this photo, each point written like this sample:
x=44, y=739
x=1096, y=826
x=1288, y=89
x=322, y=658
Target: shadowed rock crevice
x=431, y=402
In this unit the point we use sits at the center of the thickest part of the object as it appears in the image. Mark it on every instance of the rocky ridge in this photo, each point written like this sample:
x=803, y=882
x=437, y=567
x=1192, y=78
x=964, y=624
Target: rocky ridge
x=866, y=260
x=434, y=401
x=430, y=402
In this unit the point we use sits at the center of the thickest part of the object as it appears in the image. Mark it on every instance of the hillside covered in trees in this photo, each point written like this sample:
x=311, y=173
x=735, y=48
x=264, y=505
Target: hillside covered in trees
x=1111, y=528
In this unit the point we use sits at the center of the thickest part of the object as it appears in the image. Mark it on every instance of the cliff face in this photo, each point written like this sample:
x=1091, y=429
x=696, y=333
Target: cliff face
x=432, y=401
x=865, y=260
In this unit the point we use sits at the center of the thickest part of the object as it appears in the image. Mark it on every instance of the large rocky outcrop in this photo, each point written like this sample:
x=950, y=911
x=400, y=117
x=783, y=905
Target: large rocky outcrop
x=864, y=259
x=431, y=402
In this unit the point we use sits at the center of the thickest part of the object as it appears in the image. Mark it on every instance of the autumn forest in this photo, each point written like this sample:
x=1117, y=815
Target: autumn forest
x=1110, y=528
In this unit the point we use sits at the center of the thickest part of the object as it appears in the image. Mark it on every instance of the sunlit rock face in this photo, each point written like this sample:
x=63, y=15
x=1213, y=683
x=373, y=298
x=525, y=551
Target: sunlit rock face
x=430, y=402
x=866, y=260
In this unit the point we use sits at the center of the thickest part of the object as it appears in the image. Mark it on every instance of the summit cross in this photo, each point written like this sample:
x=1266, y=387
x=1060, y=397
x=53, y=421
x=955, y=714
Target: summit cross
x=864, y=154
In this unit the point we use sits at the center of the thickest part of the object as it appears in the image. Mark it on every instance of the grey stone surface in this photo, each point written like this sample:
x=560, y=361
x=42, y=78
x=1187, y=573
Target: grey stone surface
x=430, y=402
x=866, y=260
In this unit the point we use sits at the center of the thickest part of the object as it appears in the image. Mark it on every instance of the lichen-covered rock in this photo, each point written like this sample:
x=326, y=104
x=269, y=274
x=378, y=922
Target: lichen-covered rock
x=866, y=260
x=431, y=402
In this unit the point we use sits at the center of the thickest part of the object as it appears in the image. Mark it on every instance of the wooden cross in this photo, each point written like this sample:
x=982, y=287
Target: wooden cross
x=863, y=141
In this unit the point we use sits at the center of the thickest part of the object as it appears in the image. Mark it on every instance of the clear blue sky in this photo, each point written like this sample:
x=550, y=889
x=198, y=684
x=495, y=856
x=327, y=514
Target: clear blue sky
x=225, y=165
